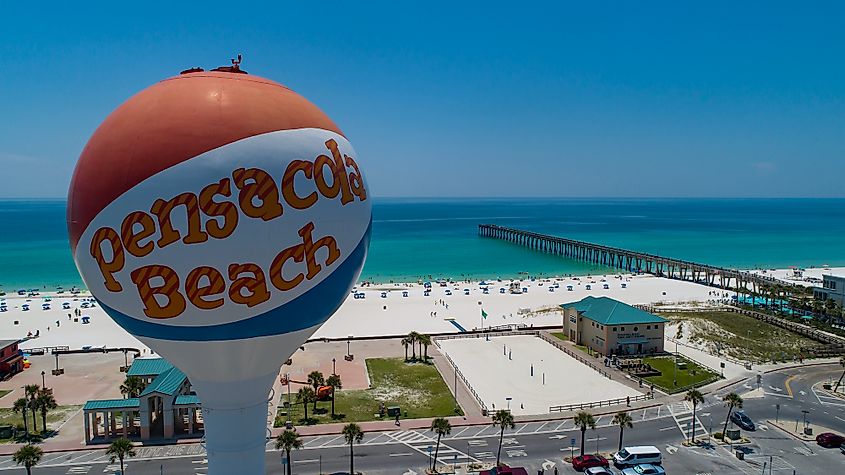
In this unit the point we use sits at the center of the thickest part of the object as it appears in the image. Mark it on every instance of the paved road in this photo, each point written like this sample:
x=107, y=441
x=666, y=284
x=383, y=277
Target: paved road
x=540, y=445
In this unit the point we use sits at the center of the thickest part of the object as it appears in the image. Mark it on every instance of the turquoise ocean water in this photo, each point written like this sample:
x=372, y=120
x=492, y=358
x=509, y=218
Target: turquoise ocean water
x=430, y=238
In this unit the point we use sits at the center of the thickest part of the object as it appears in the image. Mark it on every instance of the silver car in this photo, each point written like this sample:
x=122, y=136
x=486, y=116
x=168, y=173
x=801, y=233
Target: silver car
x=599, y=471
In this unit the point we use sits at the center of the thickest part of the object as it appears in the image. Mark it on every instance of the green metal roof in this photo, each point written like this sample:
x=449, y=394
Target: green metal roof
x=105, y=404
x=148, y=367
x=607, y=311
x=186, y=399
x=167, y=382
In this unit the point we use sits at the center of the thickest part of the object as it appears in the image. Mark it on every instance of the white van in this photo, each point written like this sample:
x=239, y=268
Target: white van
x=629, y=456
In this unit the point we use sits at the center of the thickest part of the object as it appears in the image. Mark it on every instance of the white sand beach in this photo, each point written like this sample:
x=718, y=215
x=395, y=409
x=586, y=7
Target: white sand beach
x=374, y=315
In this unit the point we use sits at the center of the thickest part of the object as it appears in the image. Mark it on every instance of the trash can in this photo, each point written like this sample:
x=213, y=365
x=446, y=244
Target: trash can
x=740, y=455
x=5, y=432
x=393, y=411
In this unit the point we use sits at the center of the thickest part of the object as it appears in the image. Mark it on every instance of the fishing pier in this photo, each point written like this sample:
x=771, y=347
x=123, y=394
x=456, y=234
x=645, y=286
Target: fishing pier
x=629, y=261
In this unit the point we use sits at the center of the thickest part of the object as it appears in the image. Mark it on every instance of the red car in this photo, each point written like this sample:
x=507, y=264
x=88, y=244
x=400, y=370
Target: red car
x=586, y=461
x=829, y=440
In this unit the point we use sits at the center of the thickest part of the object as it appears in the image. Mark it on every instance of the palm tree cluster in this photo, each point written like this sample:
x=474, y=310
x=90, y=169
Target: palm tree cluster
x=308, y=394
x=778, y=296
x=35, y=400
x=289, y=440
x=132, y=387
x=413, y=340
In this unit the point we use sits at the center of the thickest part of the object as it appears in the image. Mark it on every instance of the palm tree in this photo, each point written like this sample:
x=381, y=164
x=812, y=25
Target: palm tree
x=732, y=400
x=412, y=337
x=623, y=419
x=335, y=382
x=287, y=441
x=352, y=433
x=829, y=307
x=119, y=450
x=316, y=379
x=305, y=395
x=31, y=391
x=406, y=342
x=442, y=427
x=132, y=386
x=28, y=456
x=695, y=397
x=425, y=340
x=583, y=420
x=504, y=419
x=46, y=403
x=21, y=405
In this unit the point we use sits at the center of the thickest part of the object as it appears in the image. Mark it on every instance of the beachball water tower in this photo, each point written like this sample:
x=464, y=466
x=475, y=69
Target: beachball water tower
x=220, y=218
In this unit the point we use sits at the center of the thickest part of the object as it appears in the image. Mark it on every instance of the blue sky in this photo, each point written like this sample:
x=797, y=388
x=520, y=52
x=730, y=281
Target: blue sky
x=484, y=99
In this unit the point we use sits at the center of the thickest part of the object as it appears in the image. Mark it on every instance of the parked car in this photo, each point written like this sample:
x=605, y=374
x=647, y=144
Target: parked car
x=599, y=471
x=644, y=469
x=742, y=420
x=641, y=454
x=829, y=440
x=586, y=461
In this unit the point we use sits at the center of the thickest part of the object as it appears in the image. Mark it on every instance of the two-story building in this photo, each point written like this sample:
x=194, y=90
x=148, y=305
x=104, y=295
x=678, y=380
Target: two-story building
x=833, y=288
x=11, y=359
x=610, y=327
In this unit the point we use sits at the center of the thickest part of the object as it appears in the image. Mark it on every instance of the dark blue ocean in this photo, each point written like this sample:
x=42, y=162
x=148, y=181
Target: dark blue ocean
x=430, y=238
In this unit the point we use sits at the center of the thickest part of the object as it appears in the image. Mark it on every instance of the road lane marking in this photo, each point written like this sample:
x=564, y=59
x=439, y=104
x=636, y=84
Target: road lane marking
x=787, y=386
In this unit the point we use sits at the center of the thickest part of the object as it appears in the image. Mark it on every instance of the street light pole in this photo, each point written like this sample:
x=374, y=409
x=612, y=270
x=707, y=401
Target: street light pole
x=43, y=381
x=675, y=367
x=334, y=370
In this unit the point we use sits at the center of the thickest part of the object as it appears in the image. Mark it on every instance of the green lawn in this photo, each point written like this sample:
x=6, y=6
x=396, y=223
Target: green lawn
x=4, y=392
x=417, y=388
x=54, y=417
x=693, y=375
x=743, y=337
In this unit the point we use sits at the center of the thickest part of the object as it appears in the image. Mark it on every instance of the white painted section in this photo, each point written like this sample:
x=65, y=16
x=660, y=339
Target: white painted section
x=254, y=240
x=495, y=377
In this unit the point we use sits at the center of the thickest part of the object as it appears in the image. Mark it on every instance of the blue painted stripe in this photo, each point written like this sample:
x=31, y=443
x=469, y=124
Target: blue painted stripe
x=458, y=326
x=309, y=309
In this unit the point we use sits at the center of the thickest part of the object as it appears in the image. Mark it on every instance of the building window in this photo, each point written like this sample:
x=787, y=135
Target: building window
x=614, y=328
x=622, y=329
x=635, y=328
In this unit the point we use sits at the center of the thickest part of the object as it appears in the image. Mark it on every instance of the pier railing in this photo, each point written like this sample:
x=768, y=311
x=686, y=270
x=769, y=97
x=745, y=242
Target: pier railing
x=557, y=343
x=627, y=260
x=460, y=375
x=605, y=403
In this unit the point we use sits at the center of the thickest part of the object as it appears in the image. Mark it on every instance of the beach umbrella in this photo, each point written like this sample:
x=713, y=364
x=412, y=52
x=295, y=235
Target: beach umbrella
x=220, y=218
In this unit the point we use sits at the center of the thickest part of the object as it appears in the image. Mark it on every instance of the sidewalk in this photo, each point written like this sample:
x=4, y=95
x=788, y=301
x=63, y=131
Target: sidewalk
x=790, y=428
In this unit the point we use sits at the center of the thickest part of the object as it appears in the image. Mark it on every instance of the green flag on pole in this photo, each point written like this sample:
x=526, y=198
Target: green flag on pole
x=483, y=314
